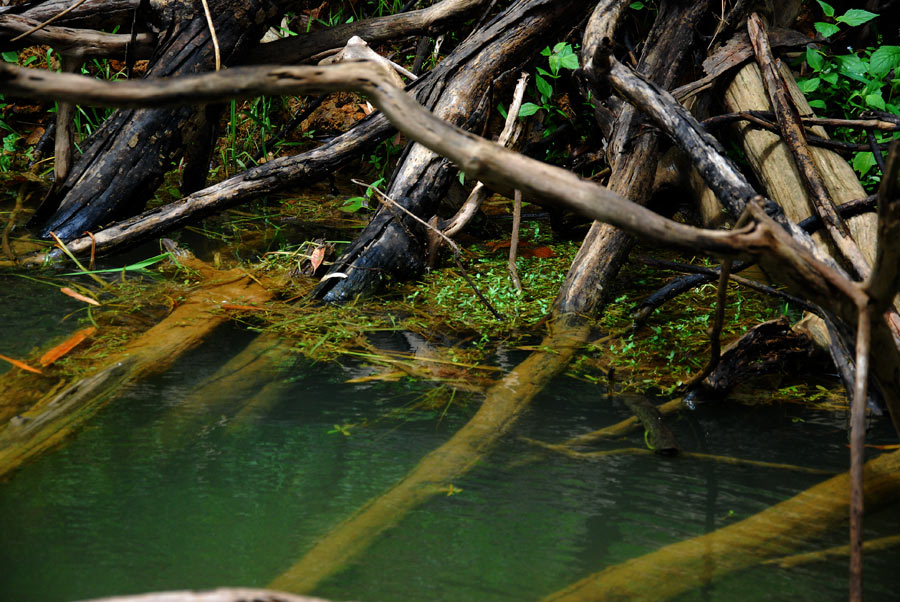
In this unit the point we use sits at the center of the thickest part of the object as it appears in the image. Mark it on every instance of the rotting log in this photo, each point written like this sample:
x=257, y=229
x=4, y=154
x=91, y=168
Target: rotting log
x=498, y=412
x=61, y=414
x=774, y=532
x=73, y=42
x=393, y=244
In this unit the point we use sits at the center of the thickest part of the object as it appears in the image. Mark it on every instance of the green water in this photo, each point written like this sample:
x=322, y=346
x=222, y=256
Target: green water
x=155, y=496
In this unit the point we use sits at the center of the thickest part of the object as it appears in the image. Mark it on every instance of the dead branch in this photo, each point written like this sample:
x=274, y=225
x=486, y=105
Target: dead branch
x=793, y=134
x=82, y=43
x=884, y=282
x=298, y=49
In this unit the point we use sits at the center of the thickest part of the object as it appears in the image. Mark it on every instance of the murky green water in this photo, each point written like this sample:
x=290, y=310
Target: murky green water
x=155, y=496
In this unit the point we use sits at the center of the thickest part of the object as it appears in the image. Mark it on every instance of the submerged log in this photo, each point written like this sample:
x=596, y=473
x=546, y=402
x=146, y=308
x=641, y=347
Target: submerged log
x=59, y=415
x=772, y=533
x=503, y=403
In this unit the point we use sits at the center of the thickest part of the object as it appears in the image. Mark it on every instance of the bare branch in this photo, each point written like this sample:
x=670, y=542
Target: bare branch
x=884, y=281
x=83, y=43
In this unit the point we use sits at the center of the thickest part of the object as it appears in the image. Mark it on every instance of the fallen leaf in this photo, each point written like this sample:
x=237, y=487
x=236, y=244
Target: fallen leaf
x=316, y=258
x=67, y=291
x=34, y=136
x=540, y=252
x=66, y=346
x=19, y=364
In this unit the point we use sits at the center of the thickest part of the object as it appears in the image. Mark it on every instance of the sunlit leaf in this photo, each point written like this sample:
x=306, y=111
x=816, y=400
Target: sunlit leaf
x=528, y=108
x=814, y=59
x=808, y=85
x=543, y=87
x=856, y=16
x=863, y=162
x=826, y=8
x=883, y=60
x=826, y=29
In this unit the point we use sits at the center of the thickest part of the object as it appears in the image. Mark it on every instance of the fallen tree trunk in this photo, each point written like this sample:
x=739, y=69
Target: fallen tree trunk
x=774, y=532
x=633, y=155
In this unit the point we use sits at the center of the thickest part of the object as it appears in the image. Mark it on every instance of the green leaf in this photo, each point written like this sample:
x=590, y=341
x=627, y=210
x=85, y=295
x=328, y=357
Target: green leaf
x=502, y=110
x=546, y=51
x=353, y=204
x=10, y=56
x=883, y=60
x=826, y=8
x=543, y=87
x=863, y=162
x=554, y=63
x=850, y=63
x=528, y=108
x=875, y=101
x=817, y=104
x=830, y=78
x=808, y=85
x=826, y=29
x=570, y=61
x=856, y=16
x=637, y=5
x=814, y=59
x=559, y=47
x=134, y=267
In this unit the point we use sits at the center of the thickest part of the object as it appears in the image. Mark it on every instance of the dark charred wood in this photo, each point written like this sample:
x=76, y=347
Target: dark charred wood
x=93, y=14
x=128, y=155
x=771, y=347
x=394, y=245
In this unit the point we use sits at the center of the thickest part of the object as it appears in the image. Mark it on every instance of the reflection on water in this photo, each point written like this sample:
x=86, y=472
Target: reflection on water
x=155, y=496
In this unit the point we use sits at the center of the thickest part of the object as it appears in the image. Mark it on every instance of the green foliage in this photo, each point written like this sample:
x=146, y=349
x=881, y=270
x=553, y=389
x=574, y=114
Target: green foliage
x=849, y=84
x=356, y=203
x=562, y=56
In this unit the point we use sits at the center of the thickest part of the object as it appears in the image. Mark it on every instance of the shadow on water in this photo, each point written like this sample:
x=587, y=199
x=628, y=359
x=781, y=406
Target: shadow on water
x=126, y=507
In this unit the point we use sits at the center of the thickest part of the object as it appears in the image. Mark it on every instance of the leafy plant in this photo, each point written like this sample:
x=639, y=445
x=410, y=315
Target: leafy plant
x=355, y=203
x=562, y=56
x=861, y=80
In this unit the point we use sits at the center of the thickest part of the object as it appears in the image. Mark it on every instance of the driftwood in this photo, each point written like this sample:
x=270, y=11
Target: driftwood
x=223, y=594
x=73, y=42
x=777, y=250
x=428, y=21
x=772, y=533
x=634, y=153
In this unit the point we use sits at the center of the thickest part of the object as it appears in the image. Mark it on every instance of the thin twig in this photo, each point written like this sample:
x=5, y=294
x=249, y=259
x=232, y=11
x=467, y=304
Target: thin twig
x=857, y=451
x=715, y=331
x=514, y=239
x=212, y=32
x=48, y=21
